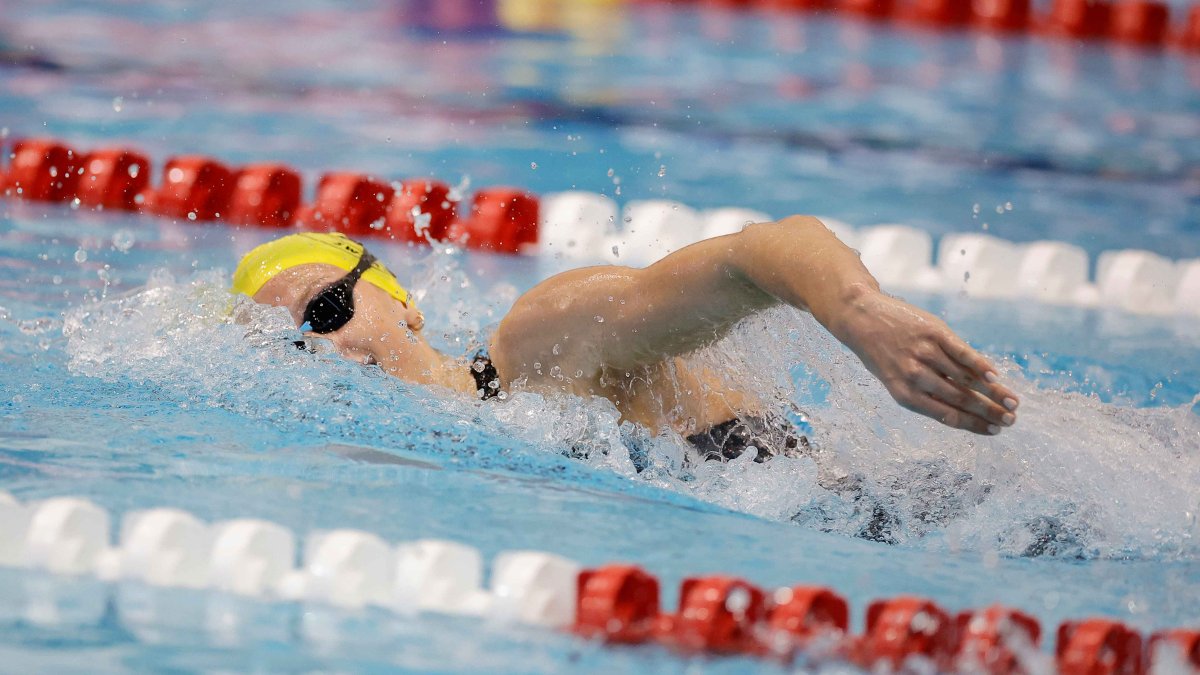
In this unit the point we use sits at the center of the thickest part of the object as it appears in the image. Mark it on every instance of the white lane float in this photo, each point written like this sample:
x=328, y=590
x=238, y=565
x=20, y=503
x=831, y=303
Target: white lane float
x=14, y=524
x=899, y=255
x=250, y=556
x=440, y=576
x=576, y=224
x=347, y=568
x=1052, y=272
x=978, y=265
x=534, y=588
x=1187, y=293
x=66, y=535
x=655, y=227
x=161, y=547
x=1136, y=281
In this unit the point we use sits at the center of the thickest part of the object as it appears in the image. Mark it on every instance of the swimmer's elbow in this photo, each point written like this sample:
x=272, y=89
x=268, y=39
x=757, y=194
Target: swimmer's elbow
x=790, y=223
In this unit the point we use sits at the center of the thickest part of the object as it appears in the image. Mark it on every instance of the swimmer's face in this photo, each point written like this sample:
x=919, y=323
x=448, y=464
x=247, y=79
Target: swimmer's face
x=382, y=330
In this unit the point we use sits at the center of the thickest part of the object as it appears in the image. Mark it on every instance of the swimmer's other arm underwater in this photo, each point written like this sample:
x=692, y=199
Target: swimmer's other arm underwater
x=617, y=331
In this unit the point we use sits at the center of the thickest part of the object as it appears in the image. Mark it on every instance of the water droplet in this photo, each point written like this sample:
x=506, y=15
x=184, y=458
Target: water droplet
x=134, y=170
x=556, y=350
x=662, y=170
x=191, y=215
x=81, y=256
x=119, y=103
x=975, y=209
x=533, y=165
x=599, y=319
x=123, y=239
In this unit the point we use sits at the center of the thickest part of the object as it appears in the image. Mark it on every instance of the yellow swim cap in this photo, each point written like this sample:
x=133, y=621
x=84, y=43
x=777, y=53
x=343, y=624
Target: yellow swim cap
x=331, y=248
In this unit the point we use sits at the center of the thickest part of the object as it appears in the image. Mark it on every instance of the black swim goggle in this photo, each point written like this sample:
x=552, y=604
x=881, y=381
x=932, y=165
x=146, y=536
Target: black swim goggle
x=333, y=307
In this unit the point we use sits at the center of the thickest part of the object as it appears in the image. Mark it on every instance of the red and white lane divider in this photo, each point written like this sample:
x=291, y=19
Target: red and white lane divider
x=614, y=603
x=1146, y=23
x=581, y=225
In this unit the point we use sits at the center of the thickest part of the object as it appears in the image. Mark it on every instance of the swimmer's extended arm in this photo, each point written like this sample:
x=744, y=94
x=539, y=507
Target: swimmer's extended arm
x=621, y=318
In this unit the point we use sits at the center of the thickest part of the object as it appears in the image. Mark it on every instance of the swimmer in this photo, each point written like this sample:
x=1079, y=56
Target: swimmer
x=620, y=333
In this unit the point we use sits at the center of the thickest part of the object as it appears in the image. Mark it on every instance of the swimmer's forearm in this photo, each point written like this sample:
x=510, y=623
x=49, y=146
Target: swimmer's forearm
x=924, y=365
x=798, y=261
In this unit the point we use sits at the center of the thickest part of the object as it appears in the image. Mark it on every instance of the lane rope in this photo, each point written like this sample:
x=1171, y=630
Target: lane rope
x=1141, y=23
x=578, y=225
x=614, y=603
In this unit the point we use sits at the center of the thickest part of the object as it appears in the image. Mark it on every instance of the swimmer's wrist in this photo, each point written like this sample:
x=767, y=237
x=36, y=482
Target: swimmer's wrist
x=851, y=308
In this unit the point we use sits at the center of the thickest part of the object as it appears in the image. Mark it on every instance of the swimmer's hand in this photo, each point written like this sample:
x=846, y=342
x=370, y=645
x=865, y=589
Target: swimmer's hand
x=924, y=365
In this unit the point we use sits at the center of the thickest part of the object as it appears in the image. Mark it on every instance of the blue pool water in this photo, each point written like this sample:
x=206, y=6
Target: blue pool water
x=125, y=379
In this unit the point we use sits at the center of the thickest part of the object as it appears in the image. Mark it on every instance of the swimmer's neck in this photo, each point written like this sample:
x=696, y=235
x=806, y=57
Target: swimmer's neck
x=420, y=363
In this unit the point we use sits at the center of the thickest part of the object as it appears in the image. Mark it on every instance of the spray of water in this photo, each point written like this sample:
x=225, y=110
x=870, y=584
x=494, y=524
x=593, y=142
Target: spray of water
x=1075, y=478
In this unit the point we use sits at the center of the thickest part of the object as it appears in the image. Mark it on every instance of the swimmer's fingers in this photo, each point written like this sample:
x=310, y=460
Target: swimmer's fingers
x=1001, y=401
x=961, y=363
x=953, y=417
x=989, y=416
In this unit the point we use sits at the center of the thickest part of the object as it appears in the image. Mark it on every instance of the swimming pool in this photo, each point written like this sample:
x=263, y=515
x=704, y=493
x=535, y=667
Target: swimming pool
x=123, y=384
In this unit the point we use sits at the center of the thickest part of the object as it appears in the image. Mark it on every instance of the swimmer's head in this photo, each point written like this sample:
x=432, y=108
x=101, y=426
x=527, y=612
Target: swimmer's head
x=264, y=262
x=376, y=324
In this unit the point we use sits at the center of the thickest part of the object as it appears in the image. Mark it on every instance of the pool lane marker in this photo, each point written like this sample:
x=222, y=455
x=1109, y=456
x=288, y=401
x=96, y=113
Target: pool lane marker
x=579, y=225
x=617, y=604
x=1141, y=23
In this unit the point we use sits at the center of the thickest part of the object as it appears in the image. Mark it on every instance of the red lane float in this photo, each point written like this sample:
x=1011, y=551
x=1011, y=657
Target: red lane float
x=617, y=603
x=1189, y=38
x=265, y=194
x=939, y=13
x=1003, y=15
x=1079, y=18
x=801, y=614
x=875, y=9
x=989, y=640
x=504, y=220
x=906, y=626
x=793, y=5
x=431, y=201
x=1187, y=642
x=716, y=614
x=352, y=203
x=42, y=169
x=112, y=179
x=805, y=611
x=194, y=187
x=1098, y=647
x=1141, y=22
